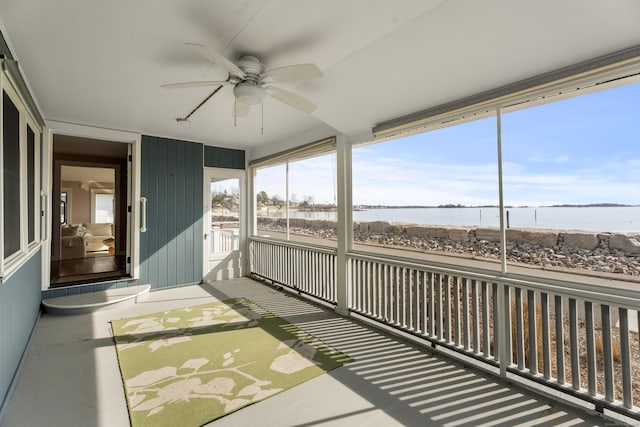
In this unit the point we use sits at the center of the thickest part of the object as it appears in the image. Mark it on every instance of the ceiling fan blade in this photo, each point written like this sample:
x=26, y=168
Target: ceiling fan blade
x=291, y=99
x=216, y=58
x=195, y=84
x=241, y=109
x=293, y=73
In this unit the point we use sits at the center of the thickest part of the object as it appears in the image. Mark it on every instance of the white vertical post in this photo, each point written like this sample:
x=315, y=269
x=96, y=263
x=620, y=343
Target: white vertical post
x=248, y=219
x=287, y=197
x=249, y=200
x=47, y=189
x=235, y=245
x=503, y=342
x=216, y=236
x=345, y=222
x=503, y=233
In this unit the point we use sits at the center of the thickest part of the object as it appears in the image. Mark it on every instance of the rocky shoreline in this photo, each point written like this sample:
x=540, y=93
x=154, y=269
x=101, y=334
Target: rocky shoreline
x=597, y=252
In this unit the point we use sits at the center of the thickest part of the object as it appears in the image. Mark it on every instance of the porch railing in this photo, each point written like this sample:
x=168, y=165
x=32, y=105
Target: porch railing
x=224, y=240
x=308, y=269
x=573, y=337
x=428, y=302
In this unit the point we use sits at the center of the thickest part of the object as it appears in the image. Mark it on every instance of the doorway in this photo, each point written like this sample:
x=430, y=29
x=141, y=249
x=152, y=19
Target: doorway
x=224, y=219
x=89, y=222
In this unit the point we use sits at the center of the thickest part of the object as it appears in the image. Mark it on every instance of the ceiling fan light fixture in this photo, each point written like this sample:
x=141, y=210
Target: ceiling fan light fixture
x=250, y=94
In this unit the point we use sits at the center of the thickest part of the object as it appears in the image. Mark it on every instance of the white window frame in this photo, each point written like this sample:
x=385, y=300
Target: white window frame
x=11, y=264
x=69, y=192
x=312, y=150
x=37, y=182
x=547, y=94
x=96, y=191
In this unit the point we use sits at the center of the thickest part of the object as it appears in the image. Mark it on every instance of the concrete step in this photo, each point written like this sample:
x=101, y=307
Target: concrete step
x=93, y=301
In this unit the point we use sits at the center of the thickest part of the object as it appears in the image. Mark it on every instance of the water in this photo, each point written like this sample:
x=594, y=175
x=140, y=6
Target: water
x=614, y=219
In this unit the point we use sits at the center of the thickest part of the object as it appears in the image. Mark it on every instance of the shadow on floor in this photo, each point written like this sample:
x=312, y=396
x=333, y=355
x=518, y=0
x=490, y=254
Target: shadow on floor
x=399, y=382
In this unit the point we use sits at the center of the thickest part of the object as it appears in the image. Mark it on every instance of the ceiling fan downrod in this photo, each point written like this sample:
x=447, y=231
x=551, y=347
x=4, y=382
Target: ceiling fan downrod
x=186, y=118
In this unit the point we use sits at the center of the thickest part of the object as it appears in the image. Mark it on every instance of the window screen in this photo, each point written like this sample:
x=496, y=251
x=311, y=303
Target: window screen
x=11, y=172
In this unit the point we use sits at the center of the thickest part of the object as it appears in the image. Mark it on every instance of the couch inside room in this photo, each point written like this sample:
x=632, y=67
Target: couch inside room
x=80, y=240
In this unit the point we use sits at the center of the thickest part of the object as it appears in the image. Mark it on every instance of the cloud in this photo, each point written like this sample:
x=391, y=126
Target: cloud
x=423, y=183
x=550, y=159
x=424, y=173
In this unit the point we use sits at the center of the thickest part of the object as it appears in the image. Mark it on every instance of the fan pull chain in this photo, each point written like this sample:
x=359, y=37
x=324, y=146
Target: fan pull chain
x=262, y=124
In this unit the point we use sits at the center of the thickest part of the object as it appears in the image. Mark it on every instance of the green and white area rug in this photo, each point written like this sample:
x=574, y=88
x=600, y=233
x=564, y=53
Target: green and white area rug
x=189, y=366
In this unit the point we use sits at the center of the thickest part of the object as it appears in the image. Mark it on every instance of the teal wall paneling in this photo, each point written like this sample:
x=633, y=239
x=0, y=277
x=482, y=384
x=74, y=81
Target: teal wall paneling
x=4, y=48
x=19, y=311
x=180, y=223
x=193, y=206
x=216, y=157
x=171, y=180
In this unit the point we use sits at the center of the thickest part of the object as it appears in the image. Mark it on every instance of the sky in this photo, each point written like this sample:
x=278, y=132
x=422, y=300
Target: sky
x=580, y=150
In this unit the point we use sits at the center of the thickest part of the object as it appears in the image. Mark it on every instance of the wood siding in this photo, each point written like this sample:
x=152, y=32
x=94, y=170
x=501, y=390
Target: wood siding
x=171, y=180
x=215, y=157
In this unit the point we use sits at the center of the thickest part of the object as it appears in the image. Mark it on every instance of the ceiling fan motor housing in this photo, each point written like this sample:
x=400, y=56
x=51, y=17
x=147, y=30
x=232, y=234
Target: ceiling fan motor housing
x=251, y=66
x=249, y=91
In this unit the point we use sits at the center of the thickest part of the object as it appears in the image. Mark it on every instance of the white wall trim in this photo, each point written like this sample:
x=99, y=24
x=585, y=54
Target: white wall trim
x=134, y=226
x=84, y=131
x=46, y=190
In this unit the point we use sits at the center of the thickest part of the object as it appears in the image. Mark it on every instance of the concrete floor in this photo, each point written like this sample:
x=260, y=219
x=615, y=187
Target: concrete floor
x=71, y=375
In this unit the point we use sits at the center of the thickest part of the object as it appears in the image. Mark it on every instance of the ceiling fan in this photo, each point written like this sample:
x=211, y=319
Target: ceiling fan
x=251, y=83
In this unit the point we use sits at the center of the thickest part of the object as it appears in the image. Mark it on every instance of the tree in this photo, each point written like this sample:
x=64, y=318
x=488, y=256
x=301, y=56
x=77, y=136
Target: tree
x=217, y=198
x=277, y=200
x=262, y=197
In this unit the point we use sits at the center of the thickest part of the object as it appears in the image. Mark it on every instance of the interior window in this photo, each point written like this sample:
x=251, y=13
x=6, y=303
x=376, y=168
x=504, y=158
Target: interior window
x=11, y=174
x=64, y=202
x=104, y=208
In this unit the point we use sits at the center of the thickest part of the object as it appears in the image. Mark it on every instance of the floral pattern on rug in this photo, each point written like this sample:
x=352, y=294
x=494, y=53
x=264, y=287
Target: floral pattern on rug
x=192, y=365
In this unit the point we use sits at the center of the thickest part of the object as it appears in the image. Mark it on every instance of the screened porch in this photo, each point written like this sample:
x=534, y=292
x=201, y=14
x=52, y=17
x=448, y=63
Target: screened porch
x=393, y=381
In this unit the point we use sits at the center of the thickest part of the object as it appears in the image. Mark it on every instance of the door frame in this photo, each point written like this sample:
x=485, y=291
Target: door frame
x=119, y=166
x=223, y=173
x=133, y=170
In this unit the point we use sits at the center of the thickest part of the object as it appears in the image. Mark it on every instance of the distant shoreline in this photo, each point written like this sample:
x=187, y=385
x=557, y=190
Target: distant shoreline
x=589, y=218
x=591, y=205
x=325, y=208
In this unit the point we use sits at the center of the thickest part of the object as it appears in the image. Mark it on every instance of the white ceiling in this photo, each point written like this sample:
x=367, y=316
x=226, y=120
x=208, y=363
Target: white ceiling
x=102, y=63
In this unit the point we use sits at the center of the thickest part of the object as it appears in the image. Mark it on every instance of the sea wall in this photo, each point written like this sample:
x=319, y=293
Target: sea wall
x=627, y=243
x=596, y=251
